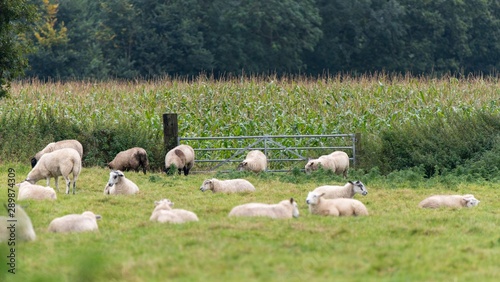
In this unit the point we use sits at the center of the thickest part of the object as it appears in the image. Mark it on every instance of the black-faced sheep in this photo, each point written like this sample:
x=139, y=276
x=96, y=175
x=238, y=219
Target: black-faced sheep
x=23, y=228
x=164, y=212
x=334, y=207
x=87, y=221
x=255, y=161
x=51, y=147
x=347, y=191
x=283, y=209
x=133, y=158
x=35, y=192
x=119, y=184
x=338, y=162
x=452, y=201
x=227, y=186
x=182, y=157
x=61, y=162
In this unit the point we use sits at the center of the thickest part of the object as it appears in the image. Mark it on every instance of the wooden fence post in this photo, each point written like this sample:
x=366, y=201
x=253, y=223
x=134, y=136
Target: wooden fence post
x=170, y=131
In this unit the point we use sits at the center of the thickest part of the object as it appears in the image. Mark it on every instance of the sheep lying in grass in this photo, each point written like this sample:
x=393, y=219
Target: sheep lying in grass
x=255, y=161
x=163, y=212
x=338, y=162
x=35, y=192
x=51, y=147
x=227, y=186
x=283, y=209
x=346, y=191
x=119, y=184
x=61, y=162
x=133, y=158
x=182, y=157
x=87, y=221
x=452, y=201
x=19, y=229
x=334, y=207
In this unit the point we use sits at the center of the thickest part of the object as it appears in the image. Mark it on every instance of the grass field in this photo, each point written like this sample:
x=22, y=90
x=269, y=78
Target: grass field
x=397, y=242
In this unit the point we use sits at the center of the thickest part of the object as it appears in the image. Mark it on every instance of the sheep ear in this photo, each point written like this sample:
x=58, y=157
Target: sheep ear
x=98, y=216
x=156, y=203
x=322, y=194
x=291, y=200
x=350, y=182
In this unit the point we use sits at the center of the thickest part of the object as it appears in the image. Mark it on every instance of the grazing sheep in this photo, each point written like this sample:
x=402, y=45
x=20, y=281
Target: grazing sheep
x=334, y=207
x=61, y=162
x=87, y=221
x=452, y=201
x=119, y=184
x=338, y=162
x=346, y=191
x=51, y=147
x=255, y=161
x=18, y=228
x=35, y=192
x=227, y=186
x=182, y=157
x=130, y=159
x=283, y=209
x=163, y=212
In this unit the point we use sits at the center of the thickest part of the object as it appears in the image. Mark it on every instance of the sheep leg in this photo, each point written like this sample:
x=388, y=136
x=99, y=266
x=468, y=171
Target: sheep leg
x=75, y=177
x=186, y=170
x=56, y=181
x=68, y=183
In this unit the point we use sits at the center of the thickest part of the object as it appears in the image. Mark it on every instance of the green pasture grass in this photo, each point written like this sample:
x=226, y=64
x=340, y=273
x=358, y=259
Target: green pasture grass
x=397, y=242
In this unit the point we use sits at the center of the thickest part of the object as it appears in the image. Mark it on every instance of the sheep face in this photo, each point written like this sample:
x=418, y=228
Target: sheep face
x=359, y=187
x=312, y=165
x=114, y=177
x=164, y=203
x=207, y=185
x=242, y=166
x=471, y=201
x=313, y=198
x=295, y=212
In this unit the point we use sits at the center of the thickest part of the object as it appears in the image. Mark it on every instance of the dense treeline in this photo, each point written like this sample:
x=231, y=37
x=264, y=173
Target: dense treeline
x=149, y=38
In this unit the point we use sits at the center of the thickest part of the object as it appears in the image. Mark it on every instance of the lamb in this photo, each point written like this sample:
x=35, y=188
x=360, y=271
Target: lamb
x=346, y=191
x=35, y=192
x=255, y=161
x=452, y=201
x=130, y=159
x=227, y=186
x=51, y=147
x=334, y=207
x=283, y=209
x=61, y=162
x=72, y=223
x=163, y=212
x=21, y=231
x=338, y=162
x=182, y=157
x=119, y=184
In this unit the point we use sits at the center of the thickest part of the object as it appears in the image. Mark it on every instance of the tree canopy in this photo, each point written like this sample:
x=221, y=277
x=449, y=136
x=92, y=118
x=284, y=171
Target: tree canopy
x=77, y=39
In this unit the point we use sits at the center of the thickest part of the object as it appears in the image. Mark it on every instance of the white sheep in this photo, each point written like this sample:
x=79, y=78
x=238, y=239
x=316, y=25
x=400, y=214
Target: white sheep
x=338, y=162
x=119, y=184
x=227, y=186
x=255, y=161
x=283, y=209
x=133, y=158
x=453, y=201
x=51, y=147
x=87, y=221
x=35, y=192
x=182, y=157
x=164, y=212
x=334, y=207
x=61, y=162
x=18, y=227
x=346, y=191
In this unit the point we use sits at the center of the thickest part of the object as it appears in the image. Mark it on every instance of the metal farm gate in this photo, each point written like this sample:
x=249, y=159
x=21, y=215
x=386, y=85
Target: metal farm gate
x=284, y=152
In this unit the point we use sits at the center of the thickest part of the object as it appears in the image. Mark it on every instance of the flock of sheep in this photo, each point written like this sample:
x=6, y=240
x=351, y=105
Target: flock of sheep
x=63, y=158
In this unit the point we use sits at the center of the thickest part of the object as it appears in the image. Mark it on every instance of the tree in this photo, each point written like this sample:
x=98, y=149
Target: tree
x=16, y=18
